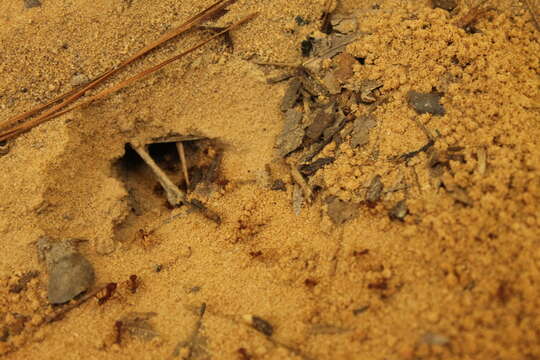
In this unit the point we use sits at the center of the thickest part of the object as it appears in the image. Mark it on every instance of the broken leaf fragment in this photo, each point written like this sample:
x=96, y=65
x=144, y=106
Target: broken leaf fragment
x=361, y=127
x=322, y=119
x=138, y=325
x=344, y=25
x=4, y=148
x=341, y=211
x=345, y=63
x=331, y=83
x=259, y=324
x=367, y=90
x=291, y=94
x=424, y=103
x=292, y=134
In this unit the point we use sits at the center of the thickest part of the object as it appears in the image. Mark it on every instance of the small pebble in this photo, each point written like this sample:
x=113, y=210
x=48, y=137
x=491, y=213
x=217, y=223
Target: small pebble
x=426, y=102
x=374, y=191
x=79, y=79
x=71, y=276
x=399, y=211
x=301, y=21
x=4, y=148
x=70, y=273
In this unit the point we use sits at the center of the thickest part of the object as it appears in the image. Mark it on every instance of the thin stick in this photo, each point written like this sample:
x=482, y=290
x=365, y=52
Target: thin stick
x=175, y=196
x=17, y=130
x=182, y=154
x=76, y=94
x=299, y=179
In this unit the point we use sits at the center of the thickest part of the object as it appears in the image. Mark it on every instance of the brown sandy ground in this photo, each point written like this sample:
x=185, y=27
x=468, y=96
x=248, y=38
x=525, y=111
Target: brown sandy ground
x=457, y=279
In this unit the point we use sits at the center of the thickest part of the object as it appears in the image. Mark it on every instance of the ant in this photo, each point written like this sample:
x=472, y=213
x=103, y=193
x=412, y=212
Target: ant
x=106, y=293
x=118, y=330
x=133, y=283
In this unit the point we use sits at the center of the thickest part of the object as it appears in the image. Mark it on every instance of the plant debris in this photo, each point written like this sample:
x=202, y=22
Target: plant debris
x=367, y=91
x=306, y=46
x=344, y=25
x=292, y=134
x=23, y=281
x=312, y=168
x=431, y=338
x=291, y=94
x=137, y=324
x=195, y=346
x=344, y=69
x=361, y=129
x=259, y=324
x=341, y=211
x=360, y=310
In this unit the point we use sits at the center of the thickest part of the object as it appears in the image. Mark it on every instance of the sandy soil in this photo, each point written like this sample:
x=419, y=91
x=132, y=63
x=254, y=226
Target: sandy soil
x=458, y=278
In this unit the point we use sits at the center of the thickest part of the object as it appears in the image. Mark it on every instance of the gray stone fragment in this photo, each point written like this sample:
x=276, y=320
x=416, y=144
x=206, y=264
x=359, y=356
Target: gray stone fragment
x=70, y=273
x=69, y=277
x=426, y=102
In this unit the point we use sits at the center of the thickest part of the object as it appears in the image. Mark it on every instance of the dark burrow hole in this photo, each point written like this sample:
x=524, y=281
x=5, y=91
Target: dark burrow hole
x=145, y=193
x=203, y=159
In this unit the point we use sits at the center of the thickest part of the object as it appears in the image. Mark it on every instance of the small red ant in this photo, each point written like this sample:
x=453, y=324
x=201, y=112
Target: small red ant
x=133, y=283
x=118, y=329
x=106, y=293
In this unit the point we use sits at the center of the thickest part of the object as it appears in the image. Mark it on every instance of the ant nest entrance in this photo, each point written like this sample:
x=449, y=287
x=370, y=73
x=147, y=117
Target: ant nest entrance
x=169, y=171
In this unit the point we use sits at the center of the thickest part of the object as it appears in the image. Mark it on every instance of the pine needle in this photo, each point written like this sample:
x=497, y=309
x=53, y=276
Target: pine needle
x=74, y=95
x=17, y=130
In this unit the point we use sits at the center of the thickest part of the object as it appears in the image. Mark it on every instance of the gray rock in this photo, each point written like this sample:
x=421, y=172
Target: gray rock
x=70, y=273
x=426, y=102
x=70, y=276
